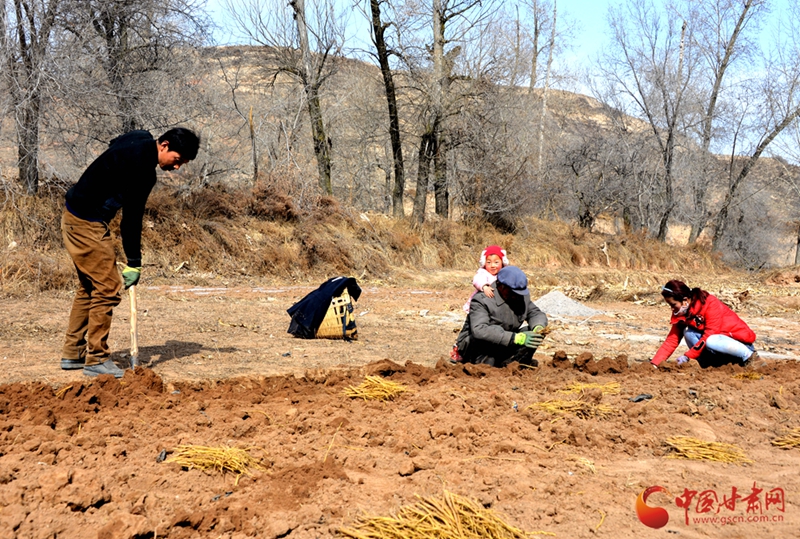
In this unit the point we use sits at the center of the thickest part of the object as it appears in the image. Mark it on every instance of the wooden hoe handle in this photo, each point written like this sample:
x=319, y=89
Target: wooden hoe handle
x=134, y=328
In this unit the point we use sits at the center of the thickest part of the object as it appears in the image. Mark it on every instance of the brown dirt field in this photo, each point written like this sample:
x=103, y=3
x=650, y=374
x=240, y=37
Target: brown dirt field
x=79, y=457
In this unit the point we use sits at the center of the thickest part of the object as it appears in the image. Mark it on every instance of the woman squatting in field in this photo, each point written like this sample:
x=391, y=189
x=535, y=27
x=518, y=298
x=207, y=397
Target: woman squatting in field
x=714, y=334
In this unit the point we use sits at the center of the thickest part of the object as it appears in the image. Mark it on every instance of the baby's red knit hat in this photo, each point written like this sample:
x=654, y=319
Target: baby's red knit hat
x=494, y=250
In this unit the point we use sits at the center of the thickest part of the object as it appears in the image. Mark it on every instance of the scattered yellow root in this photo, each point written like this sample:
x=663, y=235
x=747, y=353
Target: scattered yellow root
x=789, y=440
x=449, y=517
x=577, y=408
x=611, y=388
x=219, y=459
x=602, y=519
x=63, y=391
x=748, y=375
x=375, y=388
x=684, y=447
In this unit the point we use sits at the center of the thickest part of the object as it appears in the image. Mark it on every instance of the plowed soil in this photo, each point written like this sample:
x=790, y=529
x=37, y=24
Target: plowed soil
x=84, y=458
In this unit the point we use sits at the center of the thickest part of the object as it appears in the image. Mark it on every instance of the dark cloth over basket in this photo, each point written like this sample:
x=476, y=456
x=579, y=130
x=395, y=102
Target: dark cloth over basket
x=308, y=313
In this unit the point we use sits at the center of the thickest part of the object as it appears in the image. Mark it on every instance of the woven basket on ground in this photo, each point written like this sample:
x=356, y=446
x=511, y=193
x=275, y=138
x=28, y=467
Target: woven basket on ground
x=339, y=321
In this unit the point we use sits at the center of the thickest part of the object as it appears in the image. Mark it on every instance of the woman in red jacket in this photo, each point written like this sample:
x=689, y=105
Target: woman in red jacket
x=714, y=334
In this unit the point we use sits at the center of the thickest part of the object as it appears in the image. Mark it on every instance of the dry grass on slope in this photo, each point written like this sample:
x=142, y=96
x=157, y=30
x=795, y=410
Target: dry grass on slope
x=260, y=233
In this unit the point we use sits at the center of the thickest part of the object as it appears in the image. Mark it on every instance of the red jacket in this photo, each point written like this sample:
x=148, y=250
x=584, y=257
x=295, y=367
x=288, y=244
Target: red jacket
x=710, y=318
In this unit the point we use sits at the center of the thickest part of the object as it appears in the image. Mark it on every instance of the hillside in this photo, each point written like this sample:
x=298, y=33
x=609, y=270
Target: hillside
x=215, y=217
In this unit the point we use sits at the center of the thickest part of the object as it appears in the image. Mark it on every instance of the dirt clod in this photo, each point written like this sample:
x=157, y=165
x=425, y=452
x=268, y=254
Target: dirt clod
x=561, y=361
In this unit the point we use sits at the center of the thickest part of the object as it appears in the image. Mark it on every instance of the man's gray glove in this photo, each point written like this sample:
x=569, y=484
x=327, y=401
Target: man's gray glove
x=531, y=339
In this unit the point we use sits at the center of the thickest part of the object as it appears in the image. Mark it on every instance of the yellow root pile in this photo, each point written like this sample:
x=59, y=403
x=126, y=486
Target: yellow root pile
x=375, y=388
x=789, y=440
x=577, y=408
x=611, y=388
x=449, y=517
x=218, y=459
x=684, y=447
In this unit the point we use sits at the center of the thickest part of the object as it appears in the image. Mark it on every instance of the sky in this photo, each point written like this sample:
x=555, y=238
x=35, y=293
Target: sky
x=590, y=16
x=590, y=36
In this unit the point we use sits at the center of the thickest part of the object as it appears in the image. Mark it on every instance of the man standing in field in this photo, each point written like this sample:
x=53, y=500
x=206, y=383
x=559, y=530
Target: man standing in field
x=122, y=177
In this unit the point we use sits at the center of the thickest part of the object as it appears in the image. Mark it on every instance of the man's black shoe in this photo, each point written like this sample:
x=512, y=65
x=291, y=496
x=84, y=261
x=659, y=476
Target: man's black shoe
x=106, y=367
x=72, y=364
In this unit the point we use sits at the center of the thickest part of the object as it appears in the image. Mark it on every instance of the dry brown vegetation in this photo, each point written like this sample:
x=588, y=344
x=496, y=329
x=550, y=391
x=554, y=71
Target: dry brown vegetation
x=258, y=232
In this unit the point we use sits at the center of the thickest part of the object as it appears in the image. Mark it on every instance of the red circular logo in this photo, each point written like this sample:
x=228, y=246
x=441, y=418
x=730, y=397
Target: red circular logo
x=654, y=517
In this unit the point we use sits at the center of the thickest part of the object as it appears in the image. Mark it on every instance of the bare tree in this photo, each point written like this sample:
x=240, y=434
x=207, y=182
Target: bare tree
x=764, y=119
x=778, y=116
x=27, y=44
x=287, y=36
x=232, y=80
x=312, y=81
x=492, y=175
x=383, y=52
x=610, y=170
x=649, y=73
x=722, y=44
x=139, y=45
x=454, y=23
x=441, y=85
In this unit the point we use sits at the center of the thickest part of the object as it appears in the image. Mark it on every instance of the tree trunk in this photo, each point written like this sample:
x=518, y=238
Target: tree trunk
x=546, y=87
x=124, y=99
x=626, y=220
x=322, y=146
x=669, y=197
x=669, y=147
x=387, y=179
x=28, y=147
x=311, y=82
x=32, y=38
x=708, y=119
x=426, y=144
x=391, y=100
x=440, y=179
x=440, y=85
x=253, y=149
x=694, y=232
x=797, y=249
x=535, y=59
